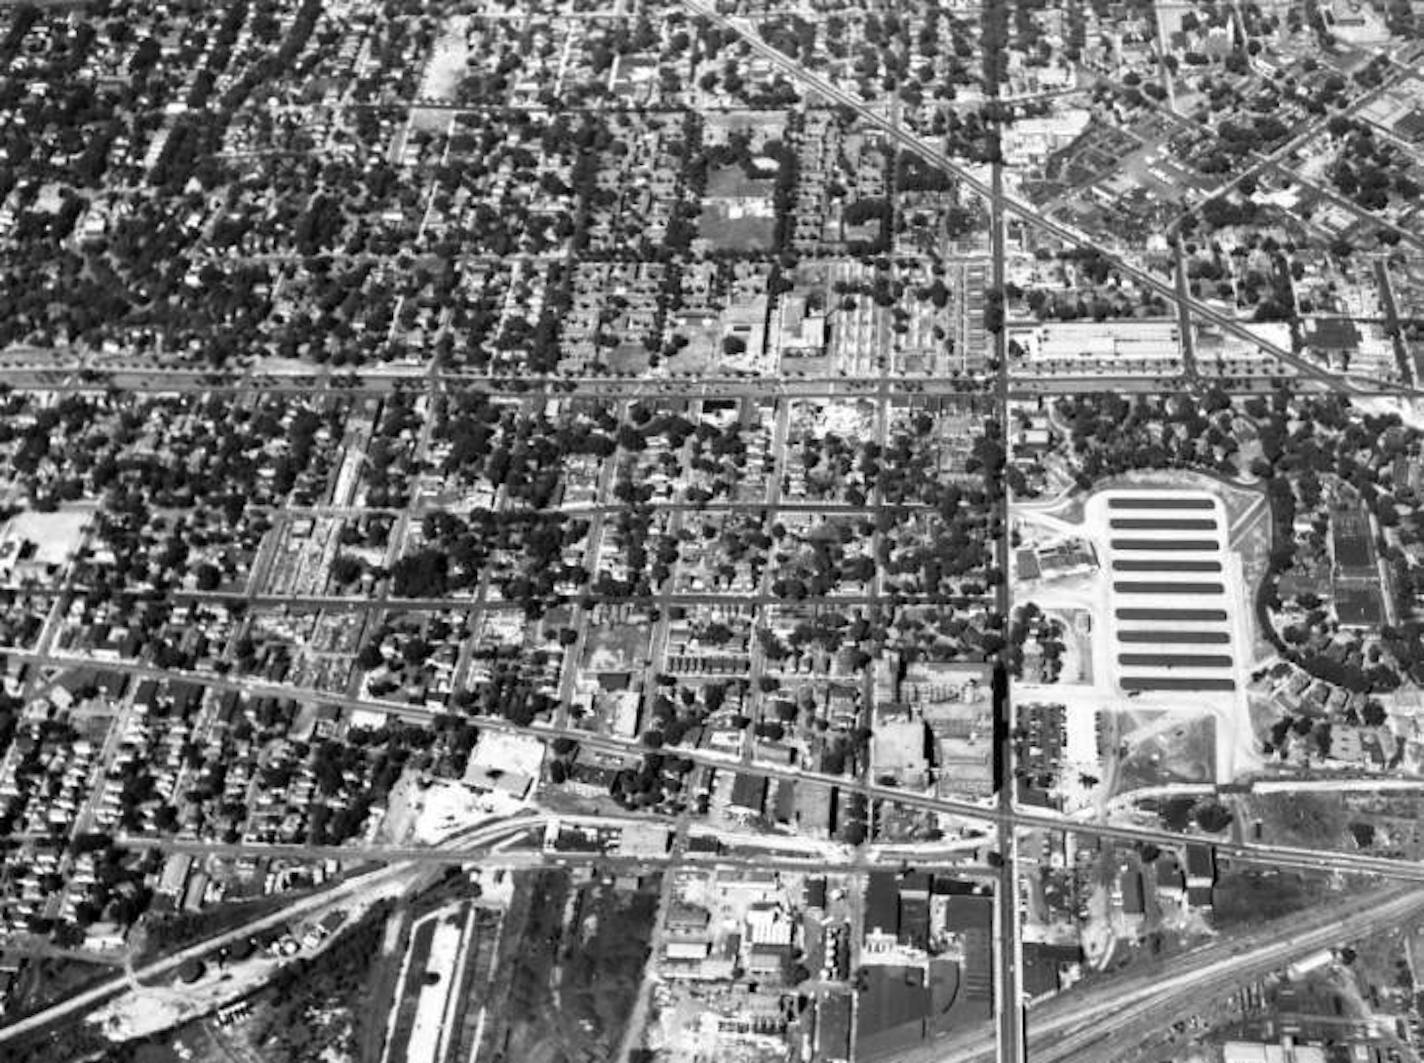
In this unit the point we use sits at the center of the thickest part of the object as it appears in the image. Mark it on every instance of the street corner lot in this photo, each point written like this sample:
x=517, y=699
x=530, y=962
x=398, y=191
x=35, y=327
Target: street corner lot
x=1171, y=609
x=1162, y=749
x=55, y=537
x=738, y=224
x=617, y=647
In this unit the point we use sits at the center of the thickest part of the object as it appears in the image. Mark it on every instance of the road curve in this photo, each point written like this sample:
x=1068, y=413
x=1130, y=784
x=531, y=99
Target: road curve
x=82, y=1002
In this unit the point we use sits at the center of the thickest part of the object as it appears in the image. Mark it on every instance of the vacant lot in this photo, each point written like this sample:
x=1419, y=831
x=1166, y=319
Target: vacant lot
x=1161, y=750
x=616, y=647
x=1255, y=896
x=733, y=182
x=1314, y=821
x=569, y=983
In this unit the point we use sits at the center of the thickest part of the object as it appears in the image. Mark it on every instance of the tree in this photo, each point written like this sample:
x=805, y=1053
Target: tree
x=209, y=577
x=90, y=842
x=346, y=569
x=1212, y=816
x=423, y=574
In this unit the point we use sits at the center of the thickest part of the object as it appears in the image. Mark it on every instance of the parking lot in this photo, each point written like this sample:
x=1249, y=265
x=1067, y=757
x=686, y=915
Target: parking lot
x=1166, y=609
x=1162, y=622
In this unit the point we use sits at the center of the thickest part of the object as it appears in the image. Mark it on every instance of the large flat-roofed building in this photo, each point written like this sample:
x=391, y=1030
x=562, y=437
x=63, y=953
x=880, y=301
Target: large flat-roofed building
x=882, y=904
x=1032, y=140
x=1098, y=346
x=956, y=702
x=748, y=794
x=1285, y=1052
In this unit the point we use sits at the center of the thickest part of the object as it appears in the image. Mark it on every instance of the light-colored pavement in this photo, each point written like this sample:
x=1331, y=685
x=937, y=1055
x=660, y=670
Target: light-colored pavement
x=969, y=811
x=1082, y=1024
x=385, y=878
x=744, y=29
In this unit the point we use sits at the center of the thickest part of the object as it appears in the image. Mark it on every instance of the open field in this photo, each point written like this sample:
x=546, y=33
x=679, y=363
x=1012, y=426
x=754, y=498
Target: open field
x=54, y=536
x=570, y=964
x=730, y=232
x=616, y=647
x=1310, y=821
x=1247, y=896
x=1162, y=748
x=733, y=182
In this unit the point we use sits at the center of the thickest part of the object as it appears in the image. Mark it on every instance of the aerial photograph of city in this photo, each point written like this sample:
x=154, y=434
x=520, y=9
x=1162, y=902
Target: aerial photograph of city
x=712, y=531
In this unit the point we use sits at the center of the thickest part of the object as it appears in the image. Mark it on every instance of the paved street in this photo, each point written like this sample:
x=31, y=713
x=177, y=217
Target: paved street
x=589, y=311
x=385, y=879
x=1165, y=288
x=969, y=811
x=1115, y=1010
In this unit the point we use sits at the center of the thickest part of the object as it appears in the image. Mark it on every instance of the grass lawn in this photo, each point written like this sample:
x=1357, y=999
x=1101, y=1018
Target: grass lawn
x=1312, y=821
x=735, y=234
x=1249, y=896
x=732, y=181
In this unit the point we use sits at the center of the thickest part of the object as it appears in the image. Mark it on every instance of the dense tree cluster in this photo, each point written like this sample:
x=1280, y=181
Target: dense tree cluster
x=1304, y=441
